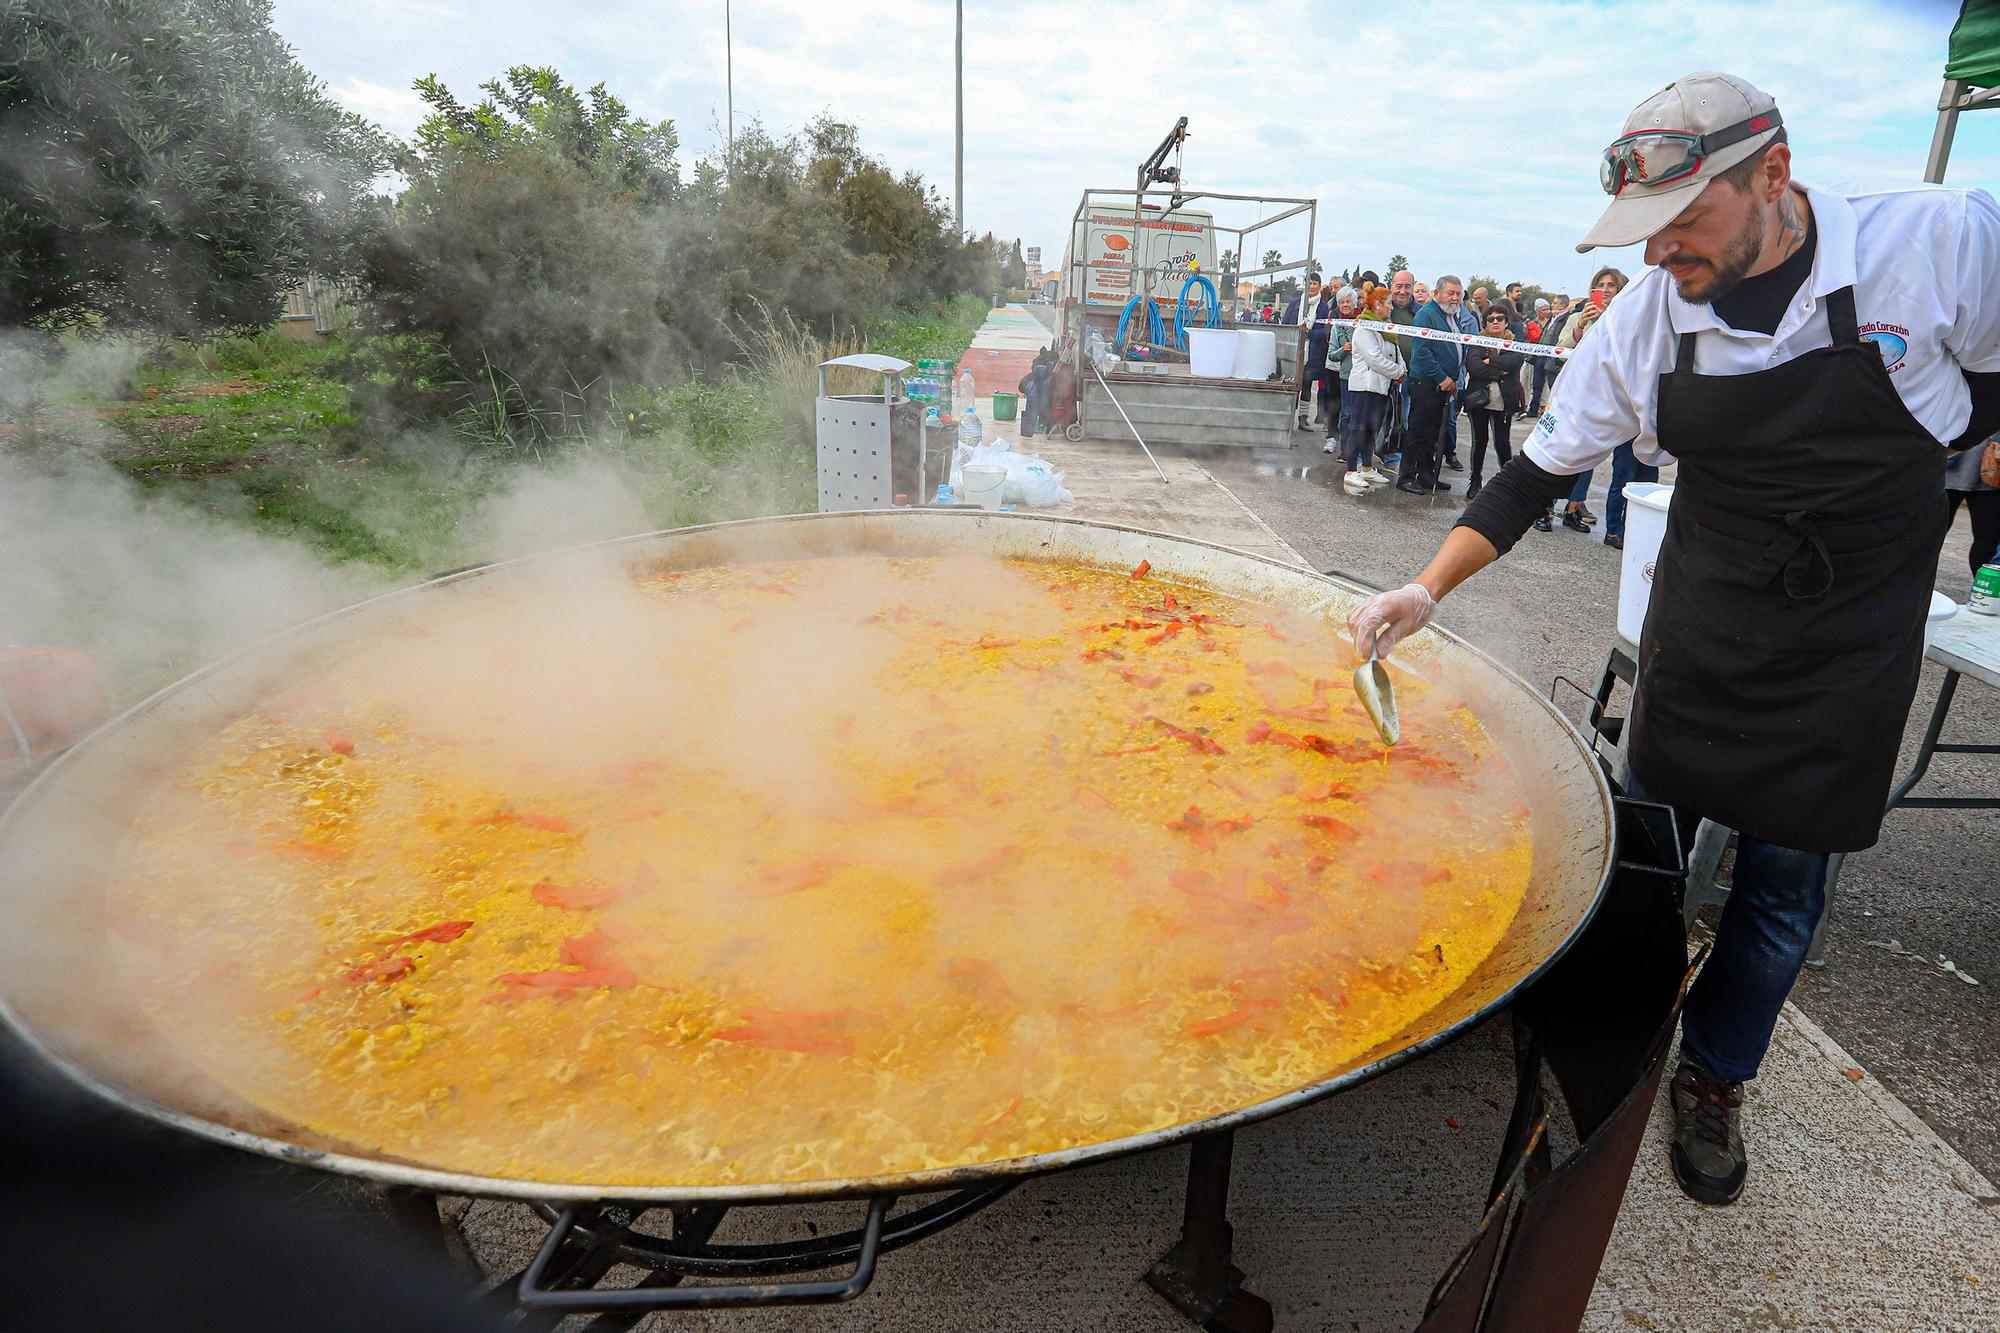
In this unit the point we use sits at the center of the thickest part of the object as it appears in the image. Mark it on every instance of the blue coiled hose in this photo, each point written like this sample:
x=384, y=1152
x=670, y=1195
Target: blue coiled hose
x=1181, y=309
x=1157, y=329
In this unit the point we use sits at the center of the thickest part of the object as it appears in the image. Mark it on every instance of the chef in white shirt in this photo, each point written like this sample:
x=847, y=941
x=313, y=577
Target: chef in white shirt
x=1807, y=359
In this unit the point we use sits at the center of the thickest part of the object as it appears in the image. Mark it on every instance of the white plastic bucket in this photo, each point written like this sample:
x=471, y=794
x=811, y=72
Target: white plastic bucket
x=1256, y=354
x=983, y=484
x=1212, y=351
x=1645, y=528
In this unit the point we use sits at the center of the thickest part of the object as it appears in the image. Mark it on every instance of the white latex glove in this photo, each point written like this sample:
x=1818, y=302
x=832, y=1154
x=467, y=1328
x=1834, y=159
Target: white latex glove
x=1394, y=615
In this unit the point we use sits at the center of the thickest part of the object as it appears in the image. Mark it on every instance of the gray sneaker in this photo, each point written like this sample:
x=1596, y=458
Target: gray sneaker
x=1709, y=1161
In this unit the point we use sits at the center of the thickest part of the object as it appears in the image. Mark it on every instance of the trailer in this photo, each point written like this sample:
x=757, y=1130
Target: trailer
x=1133, y=254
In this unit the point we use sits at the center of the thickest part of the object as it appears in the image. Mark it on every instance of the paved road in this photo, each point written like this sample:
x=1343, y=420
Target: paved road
x=1931, y=888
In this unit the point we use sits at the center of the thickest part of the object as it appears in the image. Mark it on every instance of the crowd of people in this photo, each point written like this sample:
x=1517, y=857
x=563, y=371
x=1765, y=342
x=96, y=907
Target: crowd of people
x=1390, y=405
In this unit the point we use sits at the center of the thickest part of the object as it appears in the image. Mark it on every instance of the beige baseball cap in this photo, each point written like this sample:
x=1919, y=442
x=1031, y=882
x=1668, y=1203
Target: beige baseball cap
x=1740, y=119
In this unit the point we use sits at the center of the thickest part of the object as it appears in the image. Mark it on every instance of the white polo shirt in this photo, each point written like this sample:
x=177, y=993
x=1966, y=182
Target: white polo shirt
x=1925, y=267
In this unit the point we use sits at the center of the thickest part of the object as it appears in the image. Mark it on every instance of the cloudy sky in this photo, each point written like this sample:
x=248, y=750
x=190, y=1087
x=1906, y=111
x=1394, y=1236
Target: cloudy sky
x=1464, y=135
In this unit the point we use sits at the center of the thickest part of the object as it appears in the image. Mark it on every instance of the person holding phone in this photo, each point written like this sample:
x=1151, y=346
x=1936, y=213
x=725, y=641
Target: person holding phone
x=1785, y=634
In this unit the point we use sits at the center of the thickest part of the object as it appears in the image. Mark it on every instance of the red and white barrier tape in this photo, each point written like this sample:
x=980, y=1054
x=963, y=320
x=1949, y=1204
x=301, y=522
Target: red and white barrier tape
x=1438, y=335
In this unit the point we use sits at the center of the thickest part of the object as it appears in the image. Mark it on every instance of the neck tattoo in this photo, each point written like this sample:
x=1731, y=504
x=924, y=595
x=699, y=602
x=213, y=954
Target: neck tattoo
x=1791, y=226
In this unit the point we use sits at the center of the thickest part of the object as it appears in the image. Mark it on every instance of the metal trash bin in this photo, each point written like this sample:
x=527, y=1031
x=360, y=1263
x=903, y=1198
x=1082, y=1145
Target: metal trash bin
x=870, y=445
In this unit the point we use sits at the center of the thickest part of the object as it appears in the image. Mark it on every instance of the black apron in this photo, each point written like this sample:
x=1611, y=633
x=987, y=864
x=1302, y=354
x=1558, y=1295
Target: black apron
x=1785, y=636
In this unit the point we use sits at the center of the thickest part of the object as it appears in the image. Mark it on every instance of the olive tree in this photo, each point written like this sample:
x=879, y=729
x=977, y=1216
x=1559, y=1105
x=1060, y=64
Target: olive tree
x=168, y=165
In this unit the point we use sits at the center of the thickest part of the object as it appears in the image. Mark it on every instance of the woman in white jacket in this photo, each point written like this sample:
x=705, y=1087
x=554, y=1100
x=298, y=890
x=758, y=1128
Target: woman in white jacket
x=1377, y=366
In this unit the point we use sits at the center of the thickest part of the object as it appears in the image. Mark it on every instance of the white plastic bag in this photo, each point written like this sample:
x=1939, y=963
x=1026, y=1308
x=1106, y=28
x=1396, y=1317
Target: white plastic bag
x=1035, y=484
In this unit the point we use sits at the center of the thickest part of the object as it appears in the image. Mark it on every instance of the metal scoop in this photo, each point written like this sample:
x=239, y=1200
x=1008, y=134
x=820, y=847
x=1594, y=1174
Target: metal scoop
x=1378, y=696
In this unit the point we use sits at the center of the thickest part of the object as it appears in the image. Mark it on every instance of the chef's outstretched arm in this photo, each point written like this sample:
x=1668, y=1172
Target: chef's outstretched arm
x=1590, y=412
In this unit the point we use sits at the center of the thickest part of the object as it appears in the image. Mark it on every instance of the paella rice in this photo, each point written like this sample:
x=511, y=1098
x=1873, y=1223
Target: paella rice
x=801, y=870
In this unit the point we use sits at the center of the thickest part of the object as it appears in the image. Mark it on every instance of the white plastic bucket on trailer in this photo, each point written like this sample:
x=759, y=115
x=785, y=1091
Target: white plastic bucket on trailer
x=1212, y=352
x=1256, y=354
x=1645, y=528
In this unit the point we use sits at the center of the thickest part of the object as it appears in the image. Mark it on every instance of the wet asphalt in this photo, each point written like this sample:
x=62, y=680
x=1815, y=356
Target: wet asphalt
x=1927, y=893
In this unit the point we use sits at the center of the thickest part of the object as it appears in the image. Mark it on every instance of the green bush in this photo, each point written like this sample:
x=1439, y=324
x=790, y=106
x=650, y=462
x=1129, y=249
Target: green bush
x=550, y=244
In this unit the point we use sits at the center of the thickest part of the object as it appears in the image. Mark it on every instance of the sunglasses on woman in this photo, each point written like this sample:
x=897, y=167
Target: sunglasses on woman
x=1654, y=157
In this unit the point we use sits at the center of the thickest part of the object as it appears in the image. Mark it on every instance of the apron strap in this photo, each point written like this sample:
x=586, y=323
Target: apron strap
x=1684, y=357
x=1840, y=318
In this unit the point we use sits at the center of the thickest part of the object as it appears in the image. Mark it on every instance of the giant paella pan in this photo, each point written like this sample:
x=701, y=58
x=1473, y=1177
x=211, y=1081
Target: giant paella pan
x=821, y=856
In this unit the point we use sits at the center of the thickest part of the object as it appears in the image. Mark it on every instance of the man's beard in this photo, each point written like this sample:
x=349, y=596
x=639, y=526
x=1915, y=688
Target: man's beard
x=1726, y=274
x=1450, y=308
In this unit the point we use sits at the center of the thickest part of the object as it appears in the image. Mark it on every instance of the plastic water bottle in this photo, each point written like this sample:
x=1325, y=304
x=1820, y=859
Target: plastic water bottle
x=965, y=385
x=969, y=431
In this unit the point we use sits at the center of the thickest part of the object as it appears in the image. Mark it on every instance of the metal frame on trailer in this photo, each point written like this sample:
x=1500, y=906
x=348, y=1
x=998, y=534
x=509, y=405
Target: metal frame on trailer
x=1072, y=310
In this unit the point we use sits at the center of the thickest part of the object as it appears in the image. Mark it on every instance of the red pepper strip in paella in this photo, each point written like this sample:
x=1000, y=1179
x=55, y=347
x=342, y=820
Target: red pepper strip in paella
x=392, y=970
x=980, y=976
x=980, y=1134
x=554, y=981
x=1328, y=824
x=778, y=881
x=592, y=951
x=575, y=897
x=1195, y=741
x=1195, y=826
x=806, y=1031
x=1235, y=1018
x=980, y=868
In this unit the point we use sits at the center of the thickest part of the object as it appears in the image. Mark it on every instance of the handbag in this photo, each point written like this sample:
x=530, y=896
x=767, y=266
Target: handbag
x=1480, y=395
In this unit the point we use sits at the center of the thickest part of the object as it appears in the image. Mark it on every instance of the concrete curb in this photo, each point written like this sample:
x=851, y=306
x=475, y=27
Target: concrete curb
x=1963, y=1173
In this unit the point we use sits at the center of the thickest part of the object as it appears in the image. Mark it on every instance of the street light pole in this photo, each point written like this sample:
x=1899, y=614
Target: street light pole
x=958, y=147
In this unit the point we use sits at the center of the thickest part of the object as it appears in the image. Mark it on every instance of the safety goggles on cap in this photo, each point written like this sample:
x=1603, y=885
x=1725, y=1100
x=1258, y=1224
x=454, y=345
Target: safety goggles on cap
x=1653, y=157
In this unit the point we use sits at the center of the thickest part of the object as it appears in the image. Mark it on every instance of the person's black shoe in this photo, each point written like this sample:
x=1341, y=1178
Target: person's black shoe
x=1451, y=461
x=1543, y=523
x=1472, y=487
x=1583, y=511
x=1615, y=541
x=1707, y=1150
x=1409, y=486
x=1440, y=487
x=1574, y=521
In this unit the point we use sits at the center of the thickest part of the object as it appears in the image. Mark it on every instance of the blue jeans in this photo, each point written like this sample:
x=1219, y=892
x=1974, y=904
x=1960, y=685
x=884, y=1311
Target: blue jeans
x=1448, y=435
x=1625, y=467
x=1541, y=386
x=1767, y=926
x=1581, y=491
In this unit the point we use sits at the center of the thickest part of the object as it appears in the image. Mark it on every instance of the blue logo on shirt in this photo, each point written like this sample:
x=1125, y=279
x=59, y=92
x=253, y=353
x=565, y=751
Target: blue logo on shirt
x=1547, y=424
x=1893, y=346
